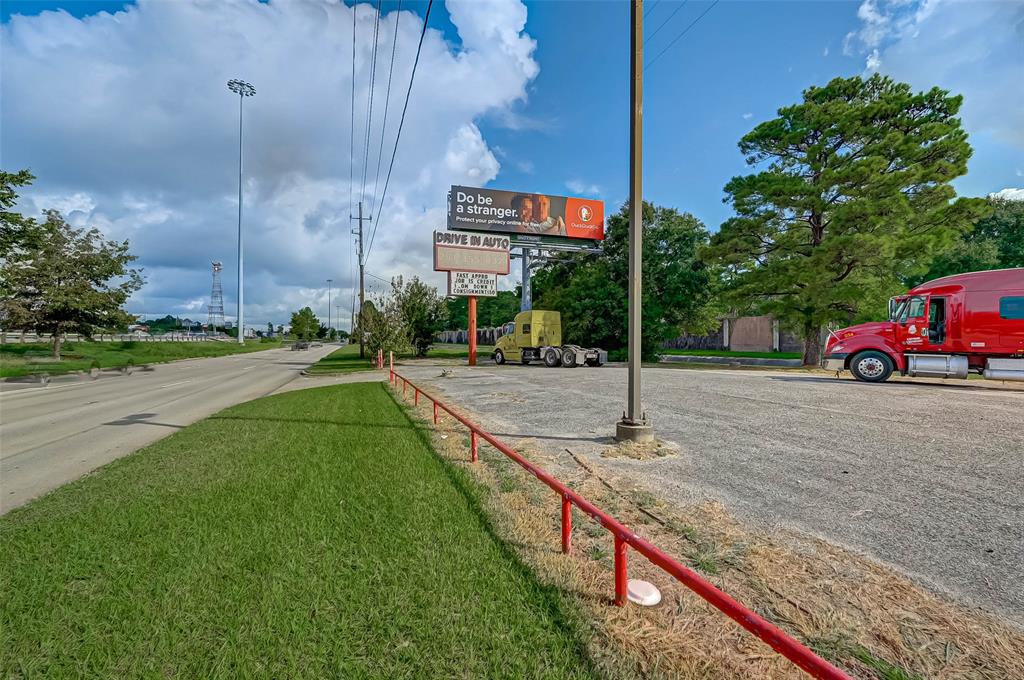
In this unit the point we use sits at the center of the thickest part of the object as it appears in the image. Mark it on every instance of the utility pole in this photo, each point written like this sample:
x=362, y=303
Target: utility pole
x=634, y=425
x=362, y=289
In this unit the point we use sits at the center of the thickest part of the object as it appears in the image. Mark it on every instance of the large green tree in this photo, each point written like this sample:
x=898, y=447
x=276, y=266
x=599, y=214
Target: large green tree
x=590, y=289
x=995, y=242
x=423, y=312
x=16, y=231
x=67, y=281
x=305, y=324
x=852, y=195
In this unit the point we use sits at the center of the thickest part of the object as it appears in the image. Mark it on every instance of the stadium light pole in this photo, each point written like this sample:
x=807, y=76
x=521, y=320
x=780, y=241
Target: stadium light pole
x=634, y=425
x=243, y=90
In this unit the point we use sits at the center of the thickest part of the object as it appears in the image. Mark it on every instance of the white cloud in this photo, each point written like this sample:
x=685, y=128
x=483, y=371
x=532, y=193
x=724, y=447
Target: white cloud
x=971, y=48
x=1009, y=194
x=825, y=52
x=128, y=124
x=748, y=116
x=526, y=167
x=578, y=186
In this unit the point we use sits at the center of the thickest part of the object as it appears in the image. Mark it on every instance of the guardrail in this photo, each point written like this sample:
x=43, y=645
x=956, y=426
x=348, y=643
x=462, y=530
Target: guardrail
x=768, y=632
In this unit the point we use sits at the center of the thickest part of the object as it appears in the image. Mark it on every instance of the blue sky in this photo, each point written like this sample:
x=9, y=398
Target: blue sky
x=541, y=107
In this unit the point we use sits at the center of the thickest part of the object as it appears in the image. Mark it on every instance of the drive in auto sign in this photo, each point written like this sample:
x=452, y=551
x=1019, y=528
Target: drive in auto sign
x=473, y=261
x=459, y=251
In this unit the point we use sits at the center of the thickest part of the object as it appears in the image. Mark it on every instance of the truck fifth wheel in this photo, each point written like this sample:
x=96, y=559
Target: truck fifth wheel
x=537, y=336
x=946, y=328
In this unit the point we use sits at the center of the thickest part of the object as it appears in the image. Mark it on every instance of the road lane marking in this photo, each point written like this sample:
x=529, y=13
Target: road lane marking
x=180, y=382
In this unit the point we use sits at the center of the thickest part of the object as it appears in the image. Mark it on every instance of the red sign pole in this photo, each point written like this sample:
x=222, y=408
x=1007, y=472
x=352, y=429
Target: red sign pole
x=472, y=330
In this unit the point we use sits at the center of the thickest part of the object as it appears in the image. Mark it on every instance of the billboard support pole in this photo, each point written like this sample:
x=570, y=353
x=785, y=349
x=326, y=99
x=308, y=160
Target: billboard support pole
x=526, y=304
x=634, y=425
x=472, y=330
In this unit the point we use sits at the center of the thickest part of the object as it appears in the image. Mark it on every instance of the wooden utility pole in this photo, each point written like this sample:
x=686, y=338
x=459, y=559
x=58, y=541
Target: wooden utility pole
x=362, y=289
x=634, y=425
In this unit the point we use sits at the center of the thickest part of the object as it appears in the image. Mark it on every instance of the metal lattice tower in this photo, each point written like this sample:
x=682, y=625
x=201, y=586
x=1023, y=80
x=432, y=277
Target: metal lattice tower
x=215, y=319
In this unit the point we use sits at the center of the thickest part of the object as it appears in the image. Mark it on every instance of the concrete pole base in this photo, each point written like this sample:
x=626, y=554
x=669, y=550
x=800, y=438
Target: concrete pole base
x=641, y=433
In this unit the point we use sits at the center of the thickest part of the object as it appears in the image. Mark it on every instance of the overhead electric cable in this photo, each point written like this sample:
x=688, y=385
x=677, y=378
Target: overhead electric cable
x=352, y=118
x=387, y=101
x=663, y=23
x=679, y=37
x=369, y=103
x=401, y=123
x=651, y=8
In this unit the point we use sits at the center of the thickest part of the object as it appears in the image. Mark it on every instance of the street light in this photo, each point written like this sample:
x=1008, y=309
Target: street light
x=329, y=304
x=243, y=90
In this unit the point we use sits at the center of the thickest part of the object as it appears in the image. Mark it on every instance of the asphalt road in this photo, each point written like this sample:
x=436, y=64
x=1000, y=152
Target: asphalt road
x=925, y=477
x=54, y=434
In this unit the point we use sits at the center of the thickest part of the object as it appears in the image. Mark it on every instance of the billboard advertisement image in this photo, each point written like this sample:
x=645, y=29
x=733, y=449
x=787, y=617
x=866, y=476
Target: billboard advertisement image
x=525, y=213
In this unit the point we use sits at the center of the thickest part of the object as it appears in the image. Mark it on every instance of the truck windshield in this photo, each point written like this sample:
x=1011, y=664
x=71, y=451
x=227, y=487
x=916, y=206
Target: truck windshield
x=912, y=308
x=896, y=308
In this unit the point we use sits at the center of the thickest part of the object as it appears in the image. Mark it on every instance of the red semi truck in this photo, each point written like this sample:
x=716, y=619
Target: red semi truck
x=946, y=328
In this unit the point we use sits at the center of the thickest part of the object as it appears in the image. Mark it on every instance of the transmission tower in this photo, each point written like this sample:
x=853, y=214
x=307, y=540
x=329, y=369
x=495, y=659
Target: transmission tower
x=215, y=319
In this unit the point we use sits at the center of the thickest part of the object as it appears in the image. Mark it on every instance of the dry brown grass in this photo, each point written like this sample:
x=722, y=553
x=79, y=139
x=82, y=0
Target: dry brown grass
x=866, y=618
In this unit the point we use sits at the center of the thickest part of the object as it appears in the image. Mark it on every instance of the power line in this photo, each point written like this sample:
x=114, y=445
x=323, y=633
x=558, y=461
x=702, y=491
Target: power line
x=679, y=37
x=352, y=130
x=401, y=122
x=651, y=36
x=387, y=102
x=369, y=103
x=374, y=276
x=651, y=8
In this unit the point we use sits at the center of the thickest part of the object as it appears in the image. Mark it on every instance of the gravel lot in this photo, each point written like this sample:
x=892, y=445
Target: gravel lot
x=926, y=477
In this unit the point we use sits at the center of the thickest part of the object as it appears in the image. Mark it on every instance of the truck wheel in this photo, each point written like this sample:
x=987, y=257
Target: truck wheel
x=871, y=366
x=499, y=357
x=568, y=358
x=552, y=358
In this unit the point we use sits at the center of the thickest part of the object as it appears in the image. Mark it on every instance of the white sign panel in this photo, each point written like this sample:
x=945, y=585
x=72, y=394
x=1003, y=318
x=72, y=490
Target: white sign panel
x=472, y=284
x=471, y=252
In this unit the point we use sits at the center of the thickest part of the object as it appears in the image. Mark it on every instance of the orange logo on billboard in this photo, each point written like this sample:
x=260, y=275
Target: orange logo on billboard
x=586, y=214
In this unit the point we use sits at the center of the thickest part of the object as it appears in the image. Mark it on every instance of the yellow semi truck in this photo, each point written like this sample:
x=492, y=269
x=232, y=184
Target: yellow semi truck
x=536, y=335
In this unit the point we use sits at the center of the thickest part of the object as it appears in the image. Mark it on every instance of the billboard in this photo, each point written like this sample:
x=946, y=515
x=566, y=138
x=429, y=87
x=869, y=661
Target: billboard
x=524, y=213
x=472, y=284
x=471, y=252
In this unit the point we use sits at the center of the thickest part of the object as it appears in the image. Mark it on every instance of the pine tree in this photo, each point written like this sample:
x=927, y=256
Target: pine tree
x=853, y=195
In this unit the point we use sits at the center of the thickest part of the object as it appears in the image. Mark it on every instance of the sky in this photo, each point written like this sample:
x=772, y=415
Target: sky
x=121, y=111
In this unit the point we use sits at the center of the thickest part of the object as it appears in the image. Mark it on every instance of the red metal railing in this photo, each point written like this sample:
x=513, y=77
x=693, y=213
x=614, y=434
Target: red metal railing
x=771, y=634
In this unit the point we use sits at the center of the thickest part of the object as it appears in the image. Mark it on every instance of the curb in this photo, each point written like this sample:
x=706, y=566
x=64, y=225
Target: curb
x=730, y=361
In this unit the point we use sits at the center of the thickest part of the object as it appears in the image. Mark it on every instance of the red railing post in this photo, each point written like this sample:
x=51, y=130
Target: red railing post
x=435, y=413
x=405, y=383
x=566, y=525
x=620, y=571
x=416, y=396
x=472, y=445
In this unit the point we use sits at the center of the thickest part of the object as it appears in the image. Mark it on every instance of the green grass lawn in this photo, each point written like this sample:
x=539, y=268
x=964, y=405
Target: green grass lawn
x=452, y=351
x=310, y=534
x=19, y=360
x=343, y=360
x=729, y=353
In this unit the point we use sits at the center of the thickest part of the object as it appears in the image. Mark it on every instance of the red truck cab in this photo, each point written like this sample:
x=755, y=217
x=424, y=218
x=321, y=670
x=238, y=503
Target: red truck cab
x=946, y=328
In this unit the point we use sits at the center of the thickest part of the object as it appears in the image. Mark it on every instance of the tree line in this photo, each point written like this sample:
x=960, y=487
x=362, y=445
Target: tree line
x=849, y=202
